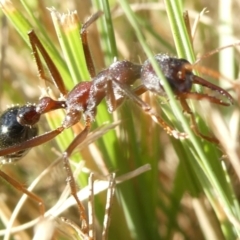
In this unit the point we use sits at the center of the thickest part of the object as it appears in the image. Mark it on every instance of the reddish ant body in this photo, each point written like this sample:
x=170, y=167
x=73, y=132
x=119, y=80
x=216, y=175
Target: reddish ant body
x=114, y=84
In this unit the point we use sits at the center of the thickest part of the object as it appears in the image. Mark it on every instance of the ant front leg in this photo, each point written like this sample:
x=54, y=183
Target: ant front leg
x=194, y=127
x=203, y=96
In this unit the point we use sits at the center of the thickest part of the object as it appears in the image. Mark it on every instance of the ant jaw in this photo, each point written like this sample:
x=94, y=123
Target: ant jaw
x=202, y=82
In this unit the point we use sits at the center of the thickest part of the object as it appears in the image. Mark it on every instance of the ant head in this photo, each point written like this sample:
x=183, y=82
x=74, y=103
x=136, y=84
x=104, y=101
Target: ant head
x=178, y=77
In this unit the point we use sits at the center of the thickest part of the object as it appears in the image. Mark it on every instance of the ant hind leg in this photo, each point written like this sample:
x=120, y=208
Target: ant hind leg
x=70, y=178
x=22, y=189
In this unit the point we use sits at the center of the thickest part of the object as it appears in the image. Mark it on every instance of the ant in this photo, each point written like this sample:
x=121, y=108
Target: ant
x=114, y=84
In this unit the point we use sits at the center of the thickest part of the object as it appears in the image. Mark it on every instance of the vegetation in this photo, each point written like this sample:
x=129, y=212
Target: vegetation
x=191, y=190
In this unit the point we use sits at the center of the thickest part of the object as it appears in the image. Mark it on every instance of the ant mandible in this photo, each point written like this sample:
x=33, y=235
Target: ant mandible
x=113, y=84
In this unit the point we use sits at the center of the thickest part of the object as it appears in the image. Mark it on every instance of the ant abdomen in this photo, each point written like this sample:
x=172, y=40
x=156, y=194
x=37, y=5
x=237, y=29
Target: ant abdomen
x=13, y=133
x=178, y=77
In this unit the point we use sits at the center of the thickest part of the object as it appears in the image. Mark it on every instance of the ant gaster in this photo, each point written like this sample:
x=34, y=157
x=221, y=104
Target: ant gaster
x=113, y=84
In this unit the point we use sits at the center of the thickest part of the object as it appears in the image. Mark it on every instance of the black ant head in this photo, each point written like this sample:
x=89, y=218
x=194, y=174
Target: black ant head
x=178, y=77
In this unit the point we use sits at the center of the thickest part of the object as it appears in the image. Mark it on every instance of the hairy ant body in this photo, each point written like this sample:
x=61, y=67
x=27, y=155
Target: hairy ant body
x=113, y=84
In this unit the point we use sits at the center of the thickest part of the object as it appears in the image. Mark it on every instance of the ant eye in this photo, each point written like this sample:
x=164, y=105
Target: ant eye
x=181, y=75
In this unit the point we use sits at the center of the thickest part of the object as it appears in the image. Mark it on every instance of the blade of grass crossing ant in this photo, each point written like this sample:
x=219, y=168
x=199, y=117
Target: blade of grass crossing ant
x=180, y=34
x=106, y=31
x=67, y=27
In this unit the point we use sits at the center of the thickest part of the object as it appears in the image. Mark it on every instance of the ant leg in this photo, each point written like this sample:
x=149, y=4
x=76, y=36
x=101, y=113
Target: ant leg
x=217, y=50
x=56, y=76
x=124, y=92
x=124, y=89
x=194, y=124
x=79, y=138
x=22, y=189
x=137, y=91
x=87, y=53
x=202, y=96
x=110, y=97
x=70, y=178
